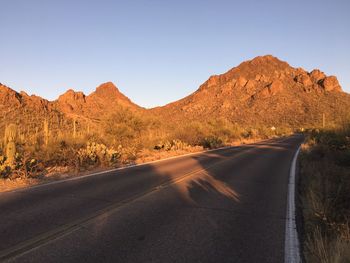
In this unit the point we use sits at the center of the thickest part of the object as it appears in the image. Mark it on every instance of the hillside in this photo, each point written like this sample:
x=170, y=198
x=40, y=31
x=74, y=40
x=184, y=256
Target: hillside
x=78, y=132
x=28, y=112
x=103, y=101
x=263, y=91
x=72, y=110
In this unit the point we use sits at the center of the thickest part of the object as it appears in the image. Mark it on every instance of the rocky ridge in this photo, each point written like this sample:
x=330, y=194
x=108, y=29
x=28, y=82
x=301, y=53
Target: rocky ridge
x=262, y=91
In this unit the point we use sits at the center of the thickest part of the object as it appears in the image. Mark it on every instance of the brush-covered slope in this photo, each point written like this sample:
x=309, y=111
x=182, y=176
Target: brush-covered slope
x=263, y=91
x=87, y=112
x=29, y=112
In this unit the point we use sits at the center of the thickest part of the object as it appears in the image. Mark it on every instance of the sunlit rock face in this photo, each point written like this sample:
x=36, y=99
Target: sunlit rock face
x=262, y=91
x=105, y=100
x=88, y=112
x=330, y=84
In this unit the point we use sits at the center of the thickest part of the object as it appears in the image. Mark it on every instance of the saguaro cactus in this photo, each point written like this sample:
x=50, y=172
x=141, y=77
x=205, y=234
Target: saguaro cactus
x=11, y=153
x=35, y=137
x=46, y=132
x=74, y=128
x=10, y=133
x=10, y=143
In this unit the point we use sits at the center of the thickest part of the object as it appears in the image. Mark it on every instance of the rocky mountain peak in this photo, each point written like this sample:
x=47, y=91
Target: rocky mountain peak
x=263, y=90
x=8, y=96
x=71, y=95
x=71, y=101
x=107, y=90
x=266, y=59
x=107, y=94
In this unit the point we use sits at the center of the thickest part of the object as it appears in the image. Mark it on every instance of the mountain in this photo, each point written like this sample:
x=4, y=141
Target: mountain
x=72, y=109
x=27, y=111
x=105, y=100
x=263, y=91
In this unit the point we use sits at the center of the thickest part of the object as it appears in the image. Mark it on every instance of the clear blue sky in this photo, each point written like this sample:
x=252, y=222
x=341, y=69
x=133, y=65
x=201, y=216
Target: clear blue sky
x=160, y=51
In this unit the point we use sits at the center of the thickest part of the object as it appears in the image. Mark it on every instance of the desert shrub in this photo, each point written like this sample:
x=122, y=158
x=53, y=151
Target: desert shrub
x=263, y=132
x=129, y=154
x=211, y=142
x=23, y=167
x=225, y=130
x=32, y=167
x=173, y=145
x=190, y=133
x=57, y=153
x=195, y=133
x=332, y=140
x=325, y=188
x=178, y=145
x=284, y=131
x=5, y=170
x=251, y=133
x=95, y=153
x=123, y=127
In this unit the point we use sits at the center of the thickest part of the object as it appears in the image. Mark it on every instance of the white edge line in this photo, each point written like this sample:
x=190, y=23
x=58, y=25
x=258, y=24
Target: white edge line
x=291, y=249
x=123, y=168
x=112, y=170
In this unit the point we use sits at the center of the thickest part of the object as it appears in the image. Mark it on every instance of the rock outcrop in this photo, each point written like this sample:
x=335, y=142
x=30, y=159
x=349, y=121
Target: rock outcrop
x=330, y=84
x=71, y=101
x=103, y=101
x=263, y=91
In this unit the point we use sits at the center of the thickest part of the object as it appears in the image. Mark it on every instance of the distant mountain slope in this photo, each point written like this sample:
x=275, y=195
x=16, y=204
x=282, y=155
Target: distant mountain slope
x=103, y=101
x=29, y=112
x=263, y=91
x=87, y=112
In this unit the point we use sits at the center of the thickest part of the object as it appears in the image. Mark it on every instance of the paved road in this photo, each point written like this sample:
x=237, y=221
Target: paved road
x=227, y=205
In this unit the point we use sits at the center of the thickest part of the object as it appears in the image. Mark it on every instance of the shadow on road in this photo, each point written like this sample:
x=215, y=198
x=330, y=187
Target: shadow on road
x=167, y=221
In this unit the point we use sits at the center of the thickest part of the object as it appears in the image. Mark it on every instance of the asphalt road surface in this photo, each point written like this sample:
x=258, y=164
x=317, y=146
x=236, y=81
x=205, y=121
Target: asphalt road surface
x=227, y=205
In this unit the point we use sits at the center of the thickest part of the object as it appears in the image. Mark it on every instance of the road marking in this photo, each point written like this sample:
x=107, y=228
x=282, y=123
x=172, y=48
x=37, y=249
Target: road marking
x=277, y=140
x=291, y=249
x=115, y=169
x=54, y=234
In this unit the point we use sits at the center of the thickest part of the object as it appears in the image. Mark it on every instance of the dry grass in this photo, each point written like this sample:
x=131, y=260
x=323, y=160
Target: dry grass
x=54, y=173
x=124, y=138
x=7, y=184
x=325, y=196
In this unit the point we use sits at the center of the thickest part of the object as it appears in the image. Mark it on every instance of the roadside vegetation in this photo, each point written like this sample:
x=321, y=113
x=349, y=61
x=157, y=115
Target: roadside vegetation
x=48, y=148
x=325, y=195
